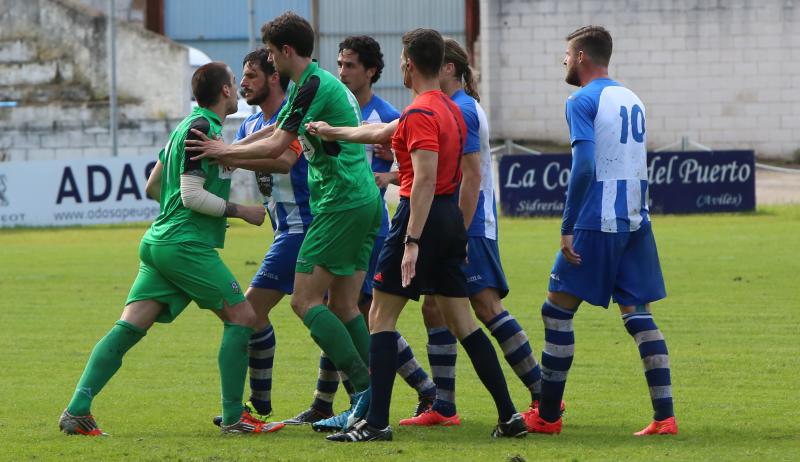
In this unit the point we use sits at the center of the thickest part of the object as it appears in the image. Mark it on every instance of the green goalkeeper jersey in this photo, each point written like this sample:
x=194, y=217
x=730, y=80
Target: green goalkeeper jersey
x=339, y=175
x=176, y=223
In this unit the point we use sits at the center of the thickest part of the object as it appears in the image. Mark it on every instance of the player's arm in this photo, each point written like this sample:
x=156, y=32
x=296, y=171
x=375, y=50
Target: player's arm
x=580, y=180
x=384, y=179
x=204, y=147
x=153, y=186
x=258, y=135
x=364, y=134
x=195, y=197
x=425, y=164
x=281, y=164
x=470, y=186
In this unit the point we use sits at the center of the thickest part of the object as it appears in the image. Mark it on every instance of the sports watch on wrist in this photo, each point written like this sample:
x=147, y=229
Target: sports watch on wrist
x=411, y=240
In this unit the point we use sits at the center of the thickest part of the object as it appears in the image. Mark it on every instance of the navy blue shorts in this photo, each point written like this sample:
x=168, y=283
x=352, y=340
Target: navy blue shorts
x=277, y=269
x=624, y=266
x=366, y=288
x=483, y=268
x=442, y=250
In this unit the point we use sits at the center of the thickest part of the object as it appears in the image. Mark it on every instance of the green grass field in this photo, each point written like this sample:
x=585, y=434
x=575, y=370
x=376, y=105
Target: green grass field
x=730, y=321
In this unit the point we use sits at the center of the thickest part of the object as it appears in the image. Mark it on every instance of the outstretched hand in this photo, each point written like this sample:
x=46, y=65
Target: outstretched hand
x=320, y=129
x=205, y=147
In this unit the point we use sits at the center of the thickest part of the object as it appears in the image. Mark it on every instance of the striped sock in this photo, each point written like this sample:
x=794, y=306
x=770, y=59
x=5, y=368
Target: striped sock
x=655, y=357
x=517, y=351
x=559, y=348
x=346, y=383
x=410, y=369
x=327, y=383
x=442, y=353
x=262, y=351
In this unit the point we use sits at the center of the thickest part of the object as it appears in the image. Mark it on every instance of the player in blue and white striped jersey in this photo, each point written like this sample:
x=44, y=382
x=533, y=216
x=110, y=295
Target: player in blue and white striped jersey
x=486, y=281
x=607, y=244
x=284, y=185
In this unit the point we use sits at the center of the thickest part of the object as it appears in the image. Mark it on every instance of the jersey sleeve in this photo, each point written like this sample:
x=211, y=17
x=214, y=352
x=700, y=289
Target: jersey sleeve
x=303, y=108
x=389, y=113
x=200, y=124
x=242, y=132
x=420, y=130
x=580, y=114
x=473, y=141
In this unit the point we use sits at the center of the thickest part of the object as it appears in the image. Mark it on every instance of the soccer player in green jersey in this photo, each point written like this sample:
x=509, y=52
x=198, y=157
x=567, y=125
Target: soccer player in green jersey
x=179, y=264
x=344, y=199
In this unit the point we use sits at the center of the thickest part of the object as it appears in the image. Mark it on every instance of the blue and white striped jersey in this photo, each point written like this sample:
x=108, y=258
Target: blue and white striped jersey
x=378, y=110
x=484, y=223
x=288, y=207
x=612, y=117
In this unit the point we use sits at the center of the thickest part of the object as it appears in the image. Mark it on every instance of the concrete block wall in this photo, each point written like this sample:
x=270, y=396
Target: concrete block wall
x=726, y=73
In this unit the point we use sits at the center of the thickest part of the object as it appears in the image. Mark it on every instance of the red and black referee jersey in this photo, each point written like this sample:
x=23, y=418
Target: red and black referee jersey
x=432, y=122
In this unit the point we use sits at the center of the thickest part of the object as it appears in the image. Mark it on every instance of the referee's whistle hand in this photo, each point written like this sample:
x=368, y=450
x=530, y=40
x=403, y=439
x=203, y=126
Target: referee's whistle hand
x=408, y=267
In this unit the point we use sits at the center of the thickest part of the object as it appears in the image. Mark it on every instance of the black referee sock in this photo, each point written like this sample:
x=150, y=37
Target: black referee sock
x=484, y=360
x=383, y=365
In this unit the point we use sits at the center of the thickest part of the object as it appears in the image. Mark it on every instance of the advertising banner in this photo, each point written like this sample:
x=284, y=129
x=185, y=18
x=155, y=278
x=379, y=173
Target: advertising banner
x=75, y=192
x=680, y=182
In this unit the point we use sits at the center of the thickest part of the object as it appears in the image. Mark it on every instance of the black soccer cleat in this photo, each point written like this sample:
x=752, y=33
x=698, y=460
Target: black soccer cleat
x=425, y=403
x=361, y=433
x=514, y=428
x=309, y=416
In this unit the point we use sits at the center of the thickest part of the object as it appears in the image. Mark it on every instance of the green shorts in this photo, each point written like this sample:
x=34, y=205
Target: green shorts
x=341, y=242
x=176, y=274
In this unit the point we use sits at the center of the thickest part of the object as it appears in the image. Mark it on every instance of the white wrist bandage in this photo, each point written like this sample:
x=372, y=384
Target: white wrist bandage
x=195, y=197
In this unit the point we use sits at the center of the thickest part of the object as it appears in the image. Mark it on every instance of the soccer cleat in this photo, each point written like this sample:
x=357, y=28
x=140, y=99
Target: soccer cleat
x=660, y=427
x=536, y=424
x=341, y=422
x=360, y=408
x=431, y=418
x=249, y=424
x=250, y=409
x=308, y=416
x=362, y=432
x=79, y=425
x=535, y=405
x=514, y=428
x=425, y=403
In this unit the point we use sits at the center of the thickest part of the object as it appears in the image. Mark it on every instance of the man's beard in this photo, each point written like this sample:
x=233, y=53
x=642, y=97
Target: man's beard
x=572, y=77
x=256, y=99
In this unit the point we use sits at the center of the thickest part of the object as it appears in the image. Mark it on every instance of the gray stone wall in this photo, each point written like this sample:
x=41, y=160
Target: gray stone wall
x=726, y=73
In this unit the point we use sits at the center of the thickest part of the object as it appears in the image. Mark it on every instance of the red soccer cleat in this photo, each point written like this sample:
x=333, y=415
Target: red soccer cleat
x=249, y=424
x=79, y=425
x=535, y=405
x=660, y=427
x=537, y=424
x=431, y=418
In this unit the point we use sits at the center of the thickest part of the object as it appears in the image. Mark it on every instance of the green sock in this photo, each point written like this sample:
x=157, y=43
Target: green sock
x=331, y=335
x=357, y=327
x=233, y=360
x=105, y=360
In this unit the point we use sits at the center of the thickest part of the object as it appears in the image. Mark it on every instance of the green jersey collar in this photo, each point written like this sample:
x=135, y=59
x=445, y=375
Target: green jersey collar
x=207, y=113
x=310, y=69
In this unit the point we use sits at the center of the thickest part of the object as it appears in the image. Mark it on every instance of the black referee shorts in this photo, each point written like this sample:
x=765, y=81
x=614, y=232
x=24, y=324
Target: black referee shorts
x=442, y=251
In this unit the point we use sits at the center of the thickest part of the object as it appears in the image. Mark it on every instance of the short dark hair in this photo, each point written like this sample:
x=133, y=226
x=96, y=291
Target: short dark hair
x=290, y=29
x=259, y=56
x=426, y=48
x=595, y=41
x=207, y=82
x=368, y=51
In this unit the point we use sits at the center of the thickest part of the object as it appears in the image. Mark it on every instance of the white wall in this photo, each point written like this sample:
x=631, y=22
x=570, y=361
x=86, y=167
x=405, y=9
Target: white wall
x=724, y=72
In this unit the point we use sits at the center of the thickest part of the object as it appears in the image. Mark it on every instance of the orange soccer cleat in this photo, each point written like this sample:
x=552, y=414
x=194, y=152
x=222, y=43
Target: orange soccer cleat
x=660, y=427
x=431, y=418
x=537, y=424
